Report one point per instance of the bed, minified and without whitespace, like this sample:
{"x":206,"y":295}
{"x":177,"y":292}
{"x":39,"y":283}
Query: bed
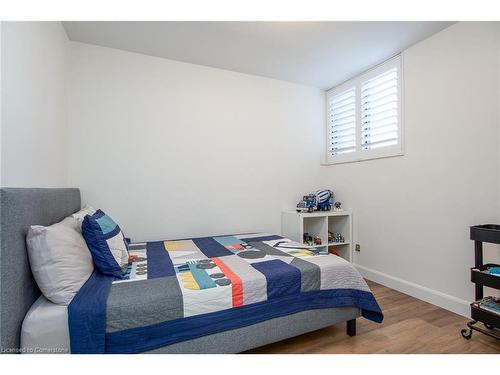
{"x":232,"y":327}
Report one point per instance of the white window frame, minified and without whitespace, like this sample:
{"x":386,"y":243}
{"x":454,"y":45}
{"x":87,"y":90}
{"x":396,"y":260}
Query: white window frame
{"x":356,"y":82}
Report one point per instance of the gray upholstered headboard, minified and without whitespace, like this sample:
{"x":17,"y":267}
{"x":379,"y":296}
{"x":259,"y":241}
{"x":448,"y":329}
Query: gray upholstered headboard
{"x":20,"y":208}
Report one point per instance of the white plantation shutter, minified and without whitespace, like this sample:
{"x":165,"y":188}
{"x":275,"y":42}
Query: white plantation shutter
{"x":364,"y":115}
{"x":342,"y":122}
{"x":379,"y":111}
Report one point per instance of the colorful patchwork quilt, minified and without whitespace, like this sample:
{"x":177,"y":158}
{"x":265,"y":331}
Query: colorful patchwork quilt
{"x":182,"y":289}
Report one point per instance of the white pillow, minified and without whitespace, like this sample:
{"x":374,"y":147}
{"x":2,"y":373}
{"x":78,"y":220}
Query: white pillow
{"x":60,"y":259}
{"x":80,"y":215}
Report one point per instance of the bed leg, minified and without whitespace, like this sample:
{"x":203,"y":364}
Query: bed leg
{"x":351,"y":327}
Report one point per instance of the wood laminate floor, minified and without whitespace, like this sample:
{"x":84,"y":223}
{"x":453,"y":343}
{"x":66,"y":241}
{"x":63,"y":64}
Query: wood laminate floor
{"x":410,"y":326}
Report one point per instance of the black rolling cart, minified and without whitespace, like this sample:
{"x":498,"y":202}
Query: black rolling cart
{"x":491,"y":321}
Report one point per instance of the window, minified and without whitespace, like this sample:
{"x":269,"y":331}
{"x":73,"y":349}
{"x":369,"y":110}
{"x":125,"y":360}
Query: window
{"x":342,"y":113}
{"x":364,"y":115}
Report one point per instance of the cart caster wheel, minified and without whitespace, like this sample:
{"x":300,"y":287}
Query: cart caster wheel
{"x":466,"y":333}
{"x":489,"y":326}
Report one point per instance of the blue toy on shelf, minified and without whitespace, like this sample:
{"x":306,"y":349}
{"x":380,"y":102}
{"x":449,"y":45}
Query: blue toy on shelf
{"x":322,"y":200}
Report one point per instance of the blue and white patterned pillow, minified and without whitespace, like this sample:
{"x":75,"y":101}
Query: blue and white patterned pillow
{"x":106,"y":243}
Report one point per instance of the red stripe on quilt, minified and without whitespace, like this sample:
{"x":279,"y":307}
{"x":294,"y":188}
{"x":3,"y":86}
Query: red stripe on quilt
{"x":237,"y":285}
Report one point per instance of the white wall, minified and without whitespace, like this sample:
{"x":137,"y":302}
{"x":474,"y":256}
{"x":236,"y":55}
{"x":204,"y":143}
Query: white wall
{"x":412,"y":213}
{"x":173,"y":149}
{"x":33,"y":119}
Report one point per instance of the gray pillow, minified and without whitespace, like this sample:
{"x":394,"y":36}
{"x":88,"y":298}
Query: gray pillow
{"x":60,"y":259}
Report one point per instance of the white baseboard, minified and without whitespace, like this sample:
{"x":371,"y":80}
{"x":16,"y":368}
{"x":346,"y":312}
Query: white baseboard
{"x":453,"y":304}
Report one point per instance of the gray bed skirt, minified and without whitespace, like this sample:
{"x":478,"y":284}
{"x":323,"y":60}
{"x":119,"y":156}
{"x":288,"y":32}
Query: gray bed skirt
{"x":260,"y":334}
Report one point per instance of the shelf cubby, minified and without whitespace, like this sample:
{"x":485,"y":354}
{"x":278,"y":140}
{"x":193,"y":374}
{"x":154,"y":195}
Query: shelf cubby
{"x":295,"y":224}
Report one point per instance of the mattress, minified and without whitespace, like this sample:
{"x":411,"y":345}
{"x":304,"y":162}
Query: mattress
{"x":45,"y":328}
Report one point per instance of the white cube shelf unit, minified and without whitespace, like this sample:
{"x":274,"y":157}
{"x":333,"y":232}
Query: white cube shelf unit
{"x":294,"y":224}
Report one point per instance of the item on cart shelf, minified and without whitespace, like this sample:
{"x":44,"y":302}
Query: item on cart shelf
{"x":338,"y":206}
{"x":494,"y":271}
{"x":330,"y":237}
{"x":490,"y":304}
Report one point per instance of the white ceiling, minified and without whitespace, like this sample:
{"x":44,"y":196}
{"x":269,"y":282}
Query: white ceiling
{"x":321,"y":54}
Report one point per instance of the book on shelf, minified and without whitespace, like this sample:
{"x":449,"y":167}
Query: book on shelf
{"x":491,"y":304}
{"x":494,"y":271}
